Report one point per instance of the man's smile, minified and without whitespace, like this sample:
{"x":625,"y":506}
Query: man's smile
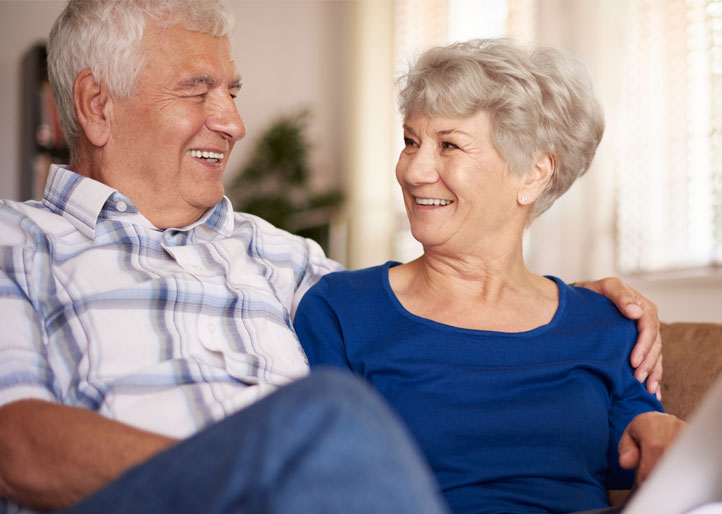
{"x":206,"y":155}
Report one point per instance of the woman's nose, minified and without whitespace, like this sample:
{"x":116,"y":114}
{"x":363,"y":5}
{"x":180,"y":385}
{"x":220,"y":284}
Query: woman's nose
{"x":419,"y":167}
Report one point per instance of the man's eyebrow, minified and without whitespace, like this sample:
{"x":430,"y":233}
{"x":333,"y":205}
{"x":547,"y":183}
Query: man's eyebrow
{"x":208,"y":81}
{"x":198,"y":80}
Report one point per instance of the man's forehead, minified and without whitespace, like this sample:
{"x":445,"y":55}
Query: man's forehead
{"x":179,"y":41}
{"x":190,"y":56}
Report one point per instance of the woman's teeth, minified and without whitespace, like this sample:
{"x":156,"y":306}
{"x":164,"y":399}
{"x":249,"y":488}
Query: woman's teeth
{"x":432,"y":201}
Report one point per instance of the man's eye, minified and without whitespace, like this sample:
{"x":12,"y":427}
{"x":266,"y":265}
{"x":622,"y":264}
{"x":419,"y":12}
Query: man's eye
{"x":449,"y":146}
{"x":409,"y":142}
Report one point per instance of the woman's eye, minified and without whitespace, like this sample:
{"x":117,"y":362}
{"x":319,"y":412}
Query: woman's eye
{"x":409,"y":142}
{"x":449,"y":146}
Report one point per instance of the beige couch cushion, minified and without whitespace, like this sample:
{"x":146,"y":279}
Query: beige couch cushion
{"x":692,"y":358}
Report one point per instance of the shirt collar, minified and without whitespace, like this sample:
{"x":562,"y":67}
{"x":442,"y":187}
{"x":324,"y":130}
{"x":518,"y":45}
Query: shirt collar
{"x":81,"y":200}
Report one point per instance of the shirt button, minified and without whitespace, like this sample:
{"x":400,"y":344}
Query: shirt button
{"x":121,"y":206}
{"x":211,"y":328}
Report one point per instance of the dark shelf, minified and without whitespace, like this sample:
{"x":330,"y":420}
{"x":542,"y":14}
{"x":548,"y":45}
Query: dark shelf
{"x":41,"y":140}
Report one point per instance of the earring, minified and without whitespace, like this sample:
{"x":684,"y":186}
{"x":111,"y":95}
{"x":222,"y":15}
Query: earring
{"x":522,"y":199}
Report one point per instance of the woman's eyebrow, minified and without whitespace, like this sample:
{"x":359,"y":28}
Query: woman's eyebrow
{"x":409,"y":130}
{"x":452,"y":131}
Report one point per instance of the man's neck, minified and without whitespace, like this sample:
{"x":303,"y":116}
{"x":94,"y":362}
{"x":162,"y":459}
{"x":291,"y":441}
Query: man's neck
{"x":161,"y":216}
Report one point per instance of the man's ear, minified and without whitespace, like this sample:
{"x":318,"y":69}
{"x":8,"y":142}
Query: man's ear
{"x":92,"y":104}
{"x":535,"y":182}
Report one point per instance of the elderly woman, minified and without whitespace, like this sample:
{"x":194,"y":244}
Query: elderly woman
{"x":516,"y":386}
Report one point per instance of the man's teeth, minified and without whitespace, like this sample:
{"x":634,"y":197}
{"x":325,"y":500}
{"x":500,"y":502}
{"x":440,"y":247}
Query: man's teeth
{"x":432,"y":201}
{"x":209,"y":156}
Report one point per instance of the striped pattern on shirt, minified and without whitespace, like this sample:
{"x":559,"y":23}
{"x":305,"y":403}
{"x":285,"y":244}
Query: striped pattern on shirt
{"x":167,"y":330}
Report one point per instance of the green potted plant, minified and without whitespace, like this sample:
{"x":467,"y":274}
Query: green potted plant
{"x":274,"y":182}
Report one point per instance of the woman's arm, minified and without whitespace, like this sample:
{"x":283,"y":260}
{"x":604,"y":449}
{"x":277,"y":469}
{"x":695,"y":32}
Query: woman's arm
{"x":319,"y":330}
{"x":646,"y":439}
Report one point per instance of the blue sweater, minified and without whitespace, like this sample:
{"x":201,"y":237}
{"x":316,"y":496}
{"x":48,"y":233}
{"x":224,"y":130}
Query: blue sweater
{"x":509,"y":422}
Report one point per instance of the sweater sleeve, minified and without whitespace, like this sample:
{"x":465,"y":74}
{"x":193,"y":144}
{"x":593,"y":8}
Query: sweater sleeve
{"x":629,"y":399}
{"x":318,"y":328}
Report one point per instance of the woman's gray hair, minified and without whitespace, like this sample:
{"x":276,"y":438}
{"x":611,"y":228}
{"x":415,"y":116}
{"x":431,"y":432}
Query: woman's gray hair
{"x":104,"y":36}
{"x":538,"y":100}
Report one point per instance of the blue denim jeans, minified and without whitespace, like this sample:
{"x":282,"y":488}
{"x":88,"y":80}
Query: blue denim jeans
{"x":324,"y":444}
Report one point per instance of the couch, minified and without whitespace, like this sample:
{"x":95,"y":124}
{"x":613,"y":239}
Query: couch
{"x":692,"y":358}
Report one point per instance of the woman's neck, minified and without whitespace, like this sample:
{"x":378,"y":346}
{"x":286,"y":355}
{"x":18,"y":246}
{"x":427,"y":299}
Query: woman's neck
{"x":495,"y":292}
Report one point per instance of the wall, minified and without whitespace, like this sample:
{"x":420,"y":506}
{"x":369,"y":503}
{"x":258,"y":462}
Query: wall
{"x":22,"y":24}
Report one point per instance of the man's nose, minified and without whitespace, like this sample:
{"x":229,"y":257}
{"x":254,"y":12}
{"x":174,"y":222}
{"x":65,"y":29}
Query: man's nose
{"x":226,"y":120}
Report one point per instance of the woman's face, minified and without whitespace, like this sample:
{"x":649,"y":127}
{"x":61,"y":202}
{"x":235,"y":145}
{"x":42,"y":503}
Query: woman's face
{"x":458,"y":192}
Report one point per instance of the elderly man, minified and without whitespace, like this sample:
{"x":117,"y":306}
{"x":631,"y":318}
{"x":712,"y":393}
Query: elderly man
{"x":144,"y":321}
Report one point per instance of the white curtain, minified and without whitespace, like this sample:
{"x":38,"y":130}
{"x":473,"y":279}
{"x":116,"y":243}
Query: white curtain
{"x":669,"y":144}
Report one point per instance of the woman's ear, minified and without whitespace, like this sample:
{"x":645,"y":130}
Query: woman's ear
{"x":92,"y":104}
{"x":535,"y":182}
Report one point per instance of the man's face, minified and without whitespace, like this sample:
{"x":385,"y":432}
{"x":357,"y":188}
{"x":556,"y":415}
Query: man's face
{"x":171,"y":140}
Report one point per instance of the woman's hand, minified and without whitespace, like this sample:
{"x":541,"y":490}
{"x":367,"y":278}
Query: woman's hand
{"x":647,"y":353}
{"x":645,"y":440}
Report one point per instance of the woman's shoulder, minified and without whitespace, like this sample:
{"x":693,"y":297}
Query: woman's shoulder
{"x":591,"y":321}
{"x":360,"y":279}
{"x":355,"y":296}
{"x":585,"y":304}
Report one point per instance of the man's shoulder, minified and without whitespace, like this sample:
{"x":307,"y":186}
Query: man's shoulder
{"x":253,"y":228}
{"x":22,"y":220}
{"x":267,"y":242}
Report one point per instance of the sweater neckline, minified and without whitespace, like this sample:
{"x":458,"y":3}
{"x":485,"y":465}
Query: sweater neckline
{"x":398,"y":306}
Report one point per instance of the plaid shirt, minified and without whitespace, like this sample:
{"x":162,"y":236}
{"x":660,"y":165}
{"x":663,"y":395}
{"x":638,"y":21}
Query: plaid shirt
{"x":167,"y":330}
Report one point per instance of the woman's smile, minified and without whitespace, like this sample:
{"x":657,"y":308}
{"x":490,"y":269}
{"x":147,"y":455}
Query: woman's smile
{"x":432,"y":202}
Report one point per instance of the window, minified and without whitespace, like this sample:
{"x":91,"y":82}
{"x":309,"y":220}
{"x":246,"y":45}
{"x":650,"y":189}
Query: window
{"x":669,"y":140}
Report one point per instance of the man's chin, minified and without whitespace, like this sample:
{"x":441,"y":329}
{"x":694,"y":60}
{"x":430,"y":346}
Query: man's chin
{"x":205,"y":196}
